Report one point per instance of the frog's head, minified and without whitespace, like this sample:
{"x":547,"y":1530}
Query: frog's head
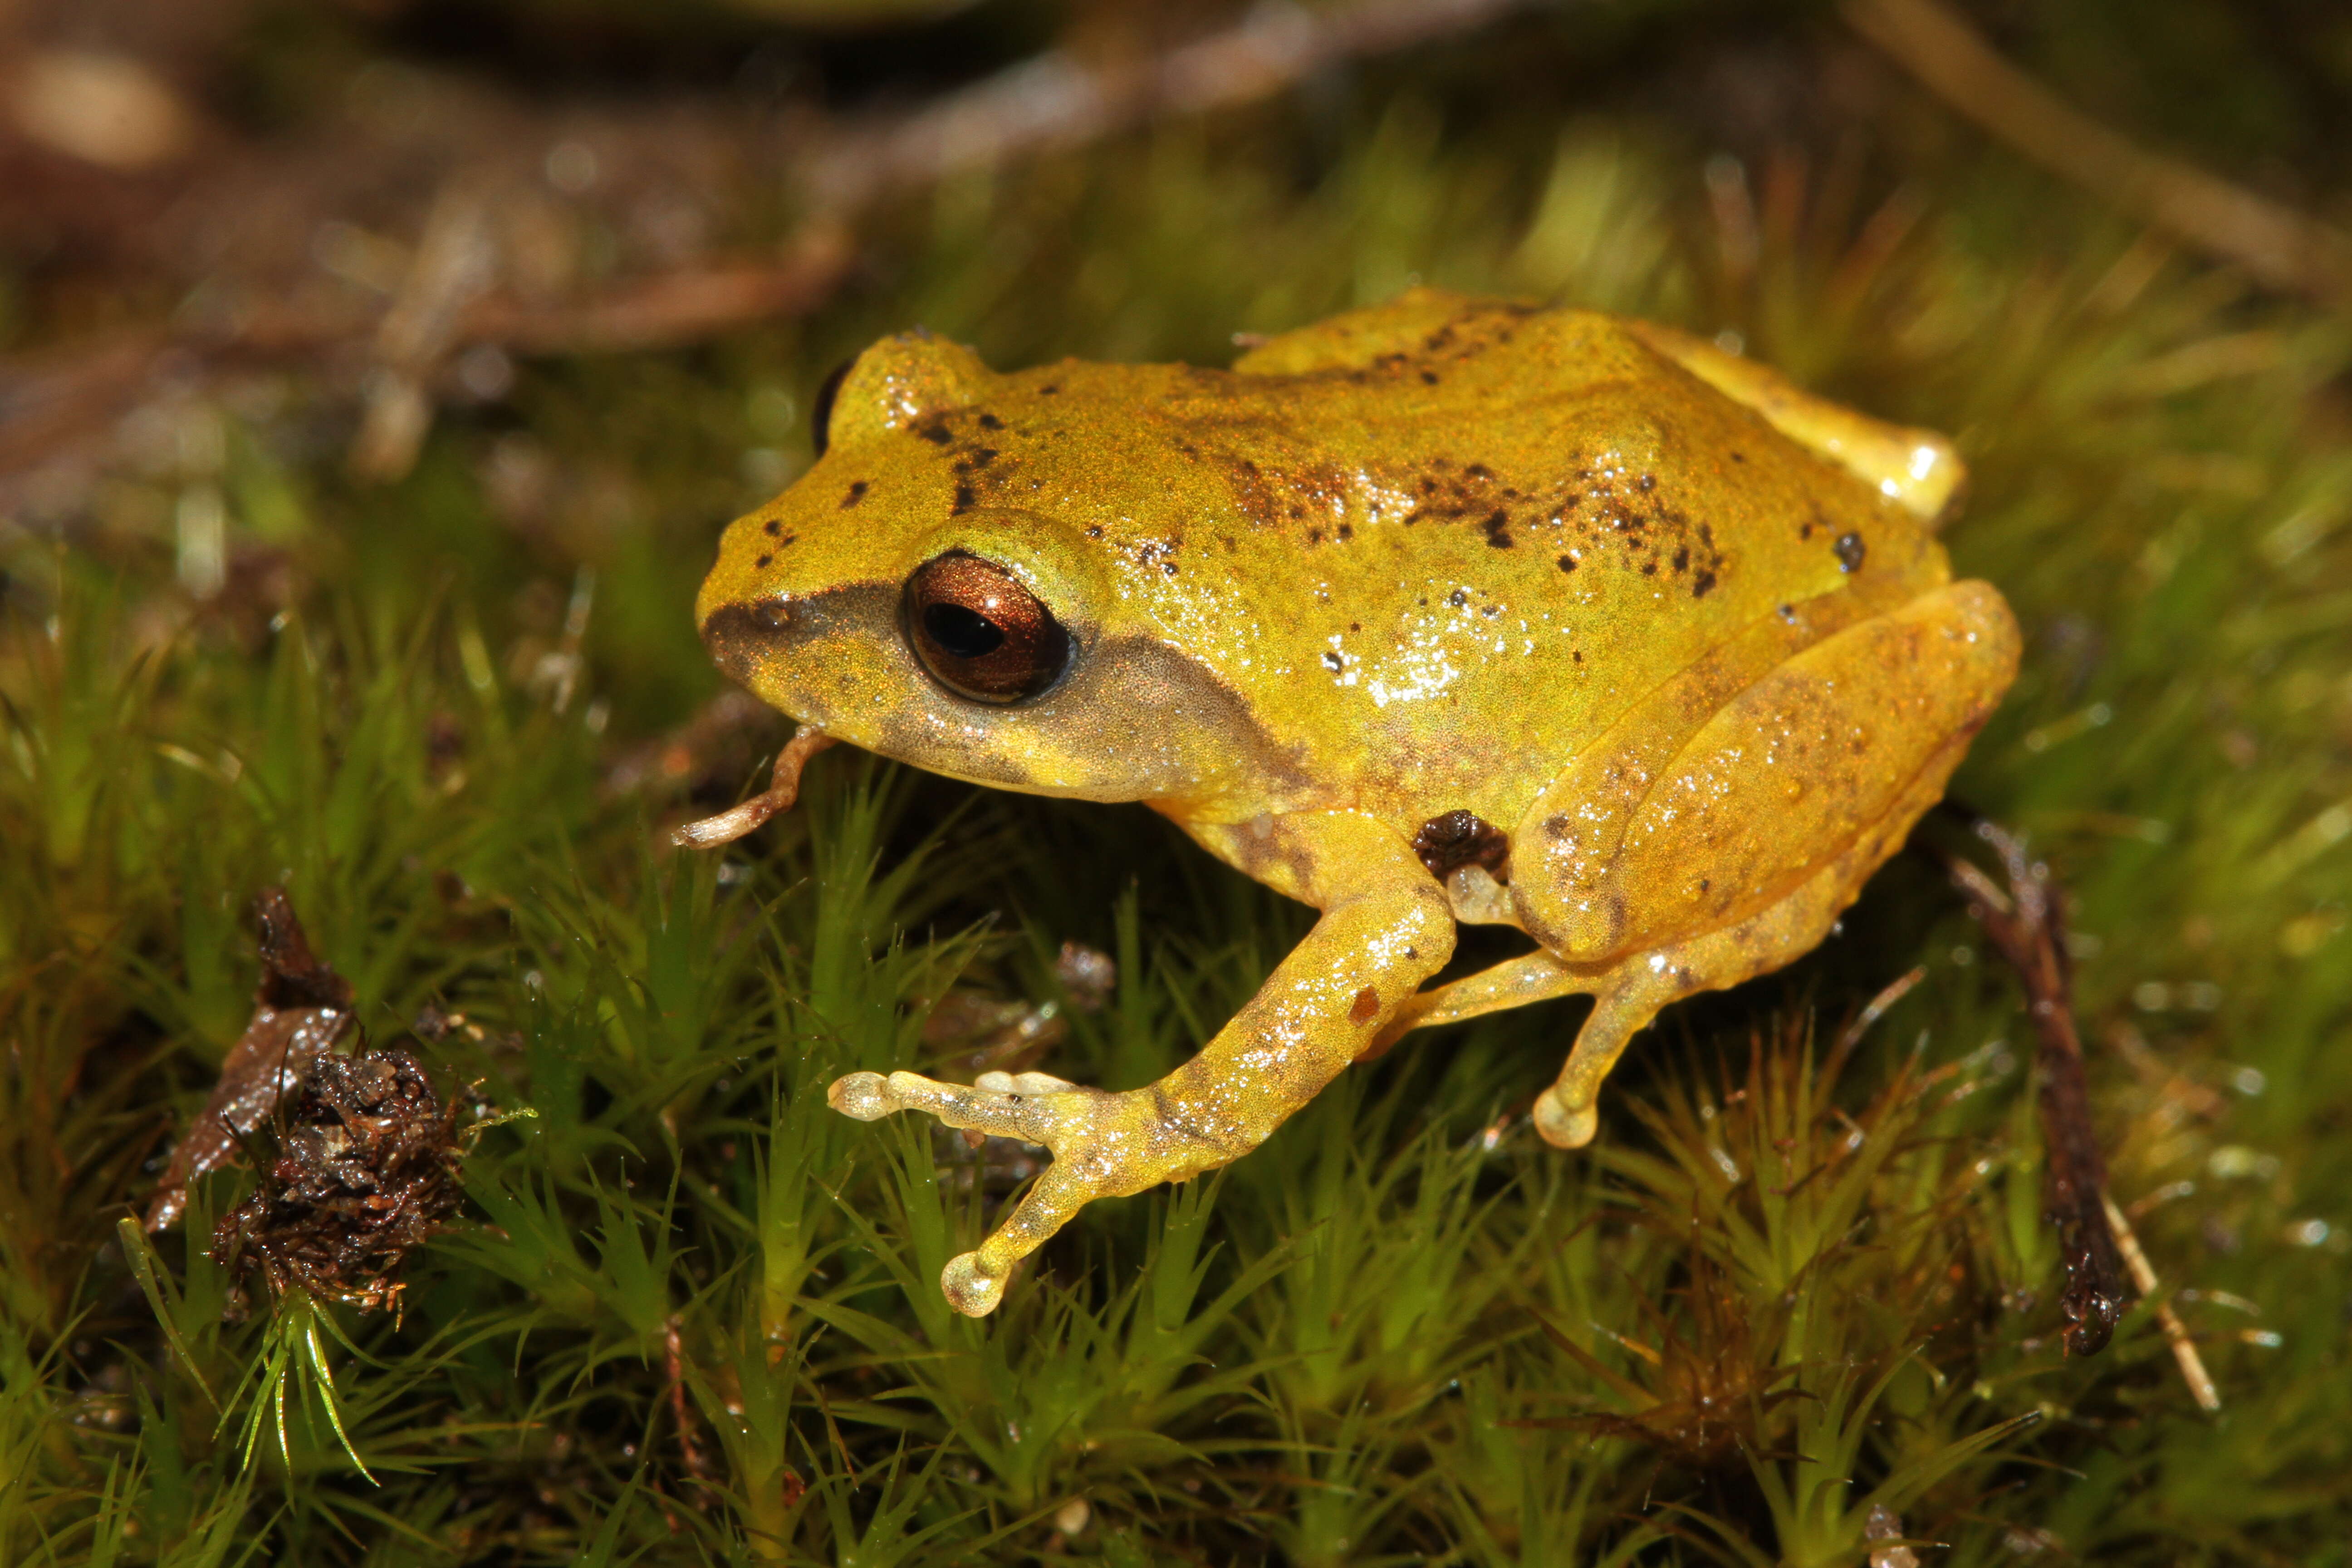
{"x":903,"y":596}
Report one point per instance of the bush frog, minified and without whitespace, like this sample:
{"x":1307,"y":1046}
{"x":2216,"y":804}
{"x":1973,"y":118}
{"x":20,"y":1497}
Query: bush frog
{"x":1445,"y":610}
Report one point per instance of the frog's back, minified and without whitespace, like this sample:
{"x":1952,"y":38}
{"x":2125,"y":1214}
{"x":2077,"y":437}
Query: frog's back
{"x":1470,"y":534}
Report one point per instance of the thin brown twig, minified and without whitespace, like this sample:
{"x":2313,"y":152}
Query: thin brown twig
{"x":2027,"y":923}
{"x":456,"y":262}
{"x":2280,"y":247}
{"x":43,"y":406}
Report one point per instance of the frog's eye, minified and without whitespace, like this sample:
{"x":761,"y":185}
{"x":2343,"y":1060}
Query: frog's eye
{"x":980,"y":632}
{"x":821,"y":411}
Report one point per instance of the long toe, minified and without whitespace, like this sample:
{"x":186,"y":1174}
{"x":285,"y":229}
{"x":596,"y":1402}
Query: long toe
{"x":863,"y":1095}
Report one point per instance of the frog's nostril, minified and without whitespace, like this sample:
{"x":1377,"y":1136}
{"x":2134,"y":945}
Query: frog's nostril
{"x":737,"y":634}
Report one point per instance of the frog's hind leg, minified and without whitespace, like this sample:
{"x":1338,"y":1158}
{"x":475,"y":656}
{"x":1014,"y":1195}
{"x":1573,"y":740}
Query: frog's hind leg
{"x":1630,"y":993}
{"x":1747,"y":844}
{"x":1535,"y":977}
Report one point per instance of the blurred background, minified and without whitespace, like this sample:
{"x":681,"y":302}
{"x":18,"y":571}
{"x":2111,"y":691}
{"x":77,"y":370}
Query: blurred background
{"x":375,"y":376}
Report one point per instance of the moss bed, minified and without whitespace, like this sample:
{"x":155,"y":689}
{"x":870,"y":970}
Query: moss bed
{"x":688,"y":1314}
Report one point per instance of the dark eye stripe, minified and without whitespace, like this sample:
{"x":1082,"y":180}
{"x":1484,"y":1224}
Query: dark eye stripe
{"x":980,"y":631}
{"x":821,"y":411}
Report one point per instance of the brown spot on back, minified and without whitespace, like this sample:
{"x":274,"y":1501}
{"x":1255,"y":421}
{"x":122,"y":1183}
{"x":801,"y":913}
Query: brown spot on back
{"x":1462,"y":838}
{"x":1850,"y":552}
{"x":1367,"y":1007}
{"x":856,"y":493}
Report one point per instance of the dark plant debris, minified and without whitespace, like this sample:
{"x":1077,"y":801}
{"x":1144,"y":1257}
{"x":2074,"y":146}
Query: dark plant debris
{"x":356,"y":1156}
{"x":365,"y":1170}
{"x":301,"y":1012}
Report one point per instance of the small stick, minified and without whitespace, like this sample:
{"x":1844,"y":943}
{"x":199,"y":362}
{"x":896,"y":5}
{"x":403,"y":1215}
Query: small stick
{"x":783,"y":789}
{"x":2184,"y":1349}
{"x":2024,"y":923}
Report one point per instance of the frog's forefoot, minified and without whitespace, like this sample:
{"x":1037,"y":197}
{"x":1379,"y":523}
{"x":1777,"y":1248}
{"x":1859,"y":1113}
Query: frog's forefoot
{"x":783,"y":789}
{"x":1104,"y":1144}
{"x":864,"y":1096}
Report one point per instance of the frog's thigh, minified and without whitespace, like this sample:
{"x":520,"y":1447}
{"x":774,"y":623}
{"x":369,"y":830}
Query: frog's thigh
{"x":1775,"y":785}
{"x":1917,"y":470}
{"x":1769,"y":820}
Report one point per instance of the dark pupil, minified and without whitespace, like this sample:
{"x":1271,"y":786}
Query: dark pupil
{"x":961,"y":633}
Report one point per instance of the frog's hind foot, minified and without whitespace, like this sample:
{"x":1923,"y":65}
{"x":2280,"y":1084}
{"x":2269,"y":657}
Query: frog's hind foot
{"x":1566,"y":1113}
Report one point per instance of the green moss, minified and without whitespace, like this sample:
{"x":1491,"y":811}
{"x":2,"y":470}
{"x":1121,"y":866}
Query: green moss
{"x":1768,"y":1300}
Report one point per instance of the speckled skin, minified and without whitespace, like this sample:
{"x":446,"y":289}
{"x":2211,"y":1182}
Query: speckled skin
{"x":1676,"y":636}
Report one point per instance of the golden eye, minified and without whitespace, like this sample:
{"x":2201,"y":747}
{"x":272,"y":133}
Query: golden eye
{"x":980,"y":633}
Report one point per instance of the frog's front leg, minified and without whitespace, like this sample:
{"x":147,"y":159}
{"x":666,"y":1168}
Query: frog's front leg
{"x":1385,"y":928}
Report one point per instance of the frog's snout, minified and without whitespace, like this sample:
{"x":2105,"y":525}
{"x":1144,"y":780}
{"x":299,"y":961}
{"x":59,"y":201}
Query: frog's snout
{"x":737,"y":634}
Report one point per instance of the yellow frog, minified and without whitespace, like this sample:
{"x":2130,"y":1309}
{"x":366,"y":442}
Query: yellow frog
{"x":1446,"y":610}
